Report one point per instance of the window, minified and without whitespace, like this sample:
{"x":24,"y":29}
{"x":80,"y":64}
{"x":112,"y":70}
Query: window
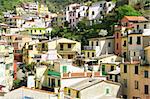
{"x":69,"y":92}
{"x":101,"y":5}
{"x":101,"y":12}
{"x":107,"y":91}
{"x":137,"y":27}
{"x":69,"y":45}
{"x":70,"y":56}
{"x":125,"y":83}
{"x":97,"y":43}
{"x":49,"y":82}
{"x":145,"y":74}
{"x":93,"y":54}
{"x":138,"y":40}
{"x":70,"y":20}
{"x":134,"y":53}
{"x":124,"y":44}
{"x":92,"y":12}
{"x":136,"y":70}
{"x":146,"y":89}
{"x":109,"y":5}
{"x":112,"y":68}
{"x":130,"y":40}
{"x":109,"y":44}
{"x":34,"y":30}
{"x":125,"y":68}
{"x":59,"y":82}
{"x":110,"y":76}
{"x":145,"y":26}
{"x":78,"y":94}
{"x":40,"y":31}
{"x":88,"y":54}
{"x":30,"y":47}
{"x":136,"y":83}
{"x":61,"y":46}
{"x":64,"y":69}
{"x":125,"y":55}
{"x":53,"y":82}
{"x":31,"y":31}
{"x":91,"y":43}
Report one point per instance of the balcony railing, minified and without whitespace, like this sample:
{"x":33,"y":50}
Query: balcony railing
{"x":90,"y":47}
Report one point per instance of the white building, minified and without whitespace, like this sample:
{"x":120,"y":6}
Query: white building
{"x":27,"y":93}
{"x":6,"y":66}
{"x":97,"y":10}
{"x":93,"y":89}
{"x":99,"y":46}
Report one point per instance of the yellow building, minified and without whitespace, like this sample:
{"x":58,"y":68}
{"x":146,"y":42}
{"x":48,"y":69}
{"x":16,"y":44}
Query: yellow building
{"x":124,"y":47}
{"x":135,"y":78}
{"x":43,"y":9}
{"x":61,"y":47}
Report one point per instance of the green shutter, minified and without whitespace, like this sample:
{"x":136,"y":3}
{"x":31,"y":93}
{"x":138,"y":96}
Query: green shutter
{"x":103,"y":70}
{"x":64,"y":69}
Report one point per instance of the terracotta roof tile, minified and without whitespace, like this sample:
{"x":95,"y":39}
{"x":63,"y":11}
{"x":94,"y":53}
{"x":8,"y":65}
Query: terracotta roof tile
{"x":136,"y":18}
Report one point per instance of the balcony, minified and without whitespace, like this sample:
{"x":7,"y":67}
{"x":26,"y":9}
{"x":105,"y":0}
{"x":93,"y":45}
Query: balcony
{"x":90,"y":47}
{"x":53,"y":73}
{"x":135,"y":31}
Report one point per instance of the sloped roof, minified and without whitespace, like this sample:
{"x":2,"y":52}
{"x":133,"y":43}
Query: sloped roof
{"x":135,"y":18}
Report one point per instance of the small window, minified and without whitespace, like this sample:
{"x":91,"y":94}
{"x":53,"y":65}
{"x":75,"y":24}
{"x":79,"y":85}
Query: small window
{"x":107,"y":91}
{"x":88,"y":54}
{"x":69,"y":45}
{"x":101,"y":12}
{"x":145,"y":26}
{"x":112,"y":68}
{"x":125,"y":83}
{"x":124,"y":44}
{"x":125,"y":55}
{"x":41,"y":31}
{"x":146,"y":89}
{"x":101,"y":5}
{"x":92,"y":43}
{"x":31,"y":31}
{"x":61,"y":46}
{"x":109,"y":44}
{"x":109,"y":5}
{"x":125,"y":68}
{"x":136,"y":70}
{"x":97,"y":43}
{"x":138,"y":40}
{"x":69,"y":92}
{"x":93,"y":54}
{"x":93,"y":13}
{"x":145,"y":74}
{"x":34,"y":30}
{"x":137,"y":27}
{"x":70,"y":56}
{"x":130,"y":40}
{"x":30,"y":47}
{"x":78,"y":94}
{"x":136,"y":83}
{"x":134,"y":53}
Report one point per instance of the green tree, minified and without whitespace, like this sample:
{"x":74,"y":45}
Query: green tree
{"x":126,"y":10}
{"x":16,"y":83}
